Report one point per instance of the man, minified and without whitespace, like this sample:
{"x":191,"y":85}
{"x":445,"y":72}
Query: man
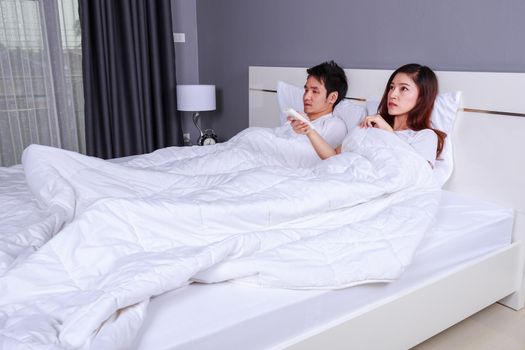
{"x":325,"y":87}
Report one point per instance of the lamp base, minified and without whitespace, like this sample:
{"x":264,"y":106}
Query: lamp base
{"x":195,"y":119}
{"x":208,"y":137}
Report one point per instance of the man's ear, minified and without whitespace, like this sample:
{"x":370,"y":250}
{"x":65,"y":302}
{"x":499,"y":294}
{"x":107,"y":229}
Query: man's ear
{"x":332,"y":97}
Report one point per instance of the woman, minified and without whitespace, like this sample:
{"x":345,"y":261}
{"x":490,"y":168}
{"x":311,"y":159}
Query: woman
{"x":405,"y":109}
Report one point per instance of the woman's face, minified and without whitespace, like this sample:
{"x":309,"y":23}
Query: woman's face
{"x":402,"y":95}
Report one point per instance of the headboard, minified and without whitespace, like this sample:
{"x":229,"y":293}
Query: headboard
{"x":488,"y":136}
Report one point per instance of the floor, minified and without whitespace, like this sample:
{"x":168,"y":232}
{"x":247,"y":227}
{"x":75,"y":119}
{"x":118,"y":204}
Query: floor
{"x":494,"y":328}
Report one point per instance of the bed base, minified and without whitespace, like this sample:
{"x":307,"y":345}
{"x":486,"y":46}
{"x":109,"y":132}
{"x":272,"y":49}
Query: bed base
{"x":487,"y":165}
{"x":409,"y":318}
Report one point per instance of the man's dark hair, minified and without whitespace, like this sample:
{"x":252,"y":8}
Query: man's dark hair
{"x":332,"y":76}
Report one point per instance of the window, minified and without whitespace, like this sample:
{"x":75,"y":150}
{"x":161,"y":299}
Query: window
{"x":41,"y":94}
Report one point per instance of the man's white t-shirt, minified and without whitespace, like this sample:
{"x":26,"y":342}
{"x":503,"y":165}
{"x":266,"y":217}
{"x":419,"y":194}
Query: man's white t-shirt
{"x":331,"y":128}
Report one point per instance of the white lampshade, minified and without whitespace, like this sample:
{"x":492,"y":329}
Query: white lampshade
{"x":196,"y":98}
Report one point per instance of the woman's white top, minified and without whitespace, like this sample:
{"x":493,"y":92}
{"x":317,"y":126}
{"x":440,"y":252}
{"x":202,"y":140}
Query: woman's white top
{"x":424,"y":142}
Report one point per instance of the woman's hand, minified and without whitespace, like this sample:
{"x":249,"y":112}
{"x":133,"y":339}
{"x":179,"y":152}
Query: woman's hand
{"x":299,"y":126}
{"x":375,"y":121}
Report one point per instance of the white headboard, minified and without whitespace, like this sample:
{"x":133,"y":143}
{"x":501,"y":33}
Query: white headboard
{"x":488,"y":134}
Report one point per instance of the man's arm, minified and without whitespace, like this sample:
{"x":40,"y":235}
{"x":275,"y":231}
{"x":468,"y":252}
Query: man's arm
{"x":321,"y":147}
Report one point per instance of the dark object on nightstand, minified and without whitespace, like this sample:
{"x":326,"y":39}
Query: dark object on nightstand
{"x":207,"y":138}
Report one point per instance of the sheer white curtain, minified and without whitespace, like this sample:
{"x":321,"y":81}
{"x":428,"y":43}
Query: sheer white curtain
{"x":41,"y":97}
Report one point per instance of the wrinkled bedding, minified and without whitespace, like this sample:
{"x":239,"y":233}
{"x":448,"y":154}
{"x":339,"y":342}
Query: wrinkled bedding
{"x":259,"y":209}
{"x":24,"y":225}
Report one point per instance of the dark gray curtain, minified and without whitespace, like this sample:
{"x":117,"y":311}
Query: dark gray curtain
{"x":129,"y":77}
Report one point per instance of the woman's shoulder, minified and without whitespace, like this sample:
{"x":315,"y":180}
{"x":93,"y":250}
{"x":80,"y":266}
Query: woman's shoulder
{"x":428,"y":131}
{"x":425,"y":133}
{"x":426,"y":136}
{"x":418,"y":136}
{"x":419,"y":133}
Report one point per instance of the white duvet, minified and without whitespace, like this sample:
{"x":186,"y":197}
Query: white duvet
{"x":260,"y":208}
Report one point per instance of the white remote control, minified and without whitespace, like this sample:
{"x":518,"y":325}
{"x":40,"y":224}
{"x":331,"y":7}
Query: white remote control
{"x":296,"y":115}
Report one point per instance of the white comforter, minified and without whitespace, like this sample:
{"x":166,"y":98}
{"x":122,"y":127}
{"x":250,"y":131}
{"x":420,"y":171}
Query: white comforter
{"x":260,"y":209}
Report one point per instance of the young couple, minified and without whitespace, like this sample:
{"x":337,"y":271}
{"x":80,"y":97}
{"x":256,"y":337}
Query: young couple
{"x":405,"y":109}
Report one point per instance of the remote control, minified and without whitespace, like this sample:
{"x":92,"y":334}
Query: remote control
{"x":296,"y":115}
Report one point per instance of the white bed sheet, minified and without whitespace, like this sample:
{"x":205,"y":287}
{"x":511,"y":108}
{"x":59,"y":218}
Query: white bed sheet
{"x":235,"y":316}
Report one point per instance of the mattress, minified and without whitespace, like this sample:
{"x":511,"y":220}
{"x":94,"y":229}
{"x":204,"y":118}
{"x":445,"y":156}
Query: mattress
{"x":232,"y":315}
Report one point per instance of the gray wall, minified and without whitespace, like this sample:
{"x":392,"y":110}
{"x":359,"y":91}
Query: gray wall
{"x":184,"y":16}
{"x":482,"y":35}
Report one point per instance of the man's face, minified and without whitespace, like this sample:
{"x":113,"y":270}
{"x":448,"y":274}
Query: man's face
{"x":315,"y":101}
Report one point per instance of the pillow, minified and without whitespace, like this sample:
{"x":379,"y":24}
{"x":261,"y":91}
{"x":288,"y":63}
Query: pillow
{"x":350,"y":112}
{"x":289,"y":95}
{"x":443,"y":115}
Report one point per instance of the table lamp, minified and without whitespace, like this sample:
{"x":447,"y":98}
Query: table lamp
{"x":198,"y":98}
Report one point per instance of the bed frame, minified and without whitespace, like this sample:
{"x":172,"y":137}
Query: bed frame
{"x":488,"y":165}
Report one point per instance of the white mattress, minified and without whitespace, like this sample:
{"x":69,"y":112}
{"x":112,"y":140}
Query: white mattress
{"x":234,"y":316}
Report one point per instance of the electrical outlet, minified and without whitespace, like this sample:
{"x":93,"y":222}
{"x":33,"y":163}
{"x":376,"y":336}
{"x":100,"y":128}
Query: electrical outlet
{"x":179,"y":37}
{"x":186,"y":138}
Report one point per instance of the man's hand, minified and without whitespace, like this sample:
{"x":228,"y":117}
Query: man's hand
{"x":299,"y":126}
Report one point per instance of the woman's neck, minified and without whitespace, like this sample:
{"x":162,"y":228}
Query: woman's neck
{"x":400,"y":122}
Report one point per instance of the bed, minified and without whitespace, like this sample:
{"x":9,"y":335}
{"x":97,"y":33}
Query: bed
{"x":470,"y":259}
{"x":486,"y":166}
{"x":230,"y":315}
{"x":445,"y":284}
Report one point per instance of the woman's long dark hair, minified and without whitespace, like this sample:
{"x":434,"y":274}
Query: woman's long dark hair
{"x":419,"y":117}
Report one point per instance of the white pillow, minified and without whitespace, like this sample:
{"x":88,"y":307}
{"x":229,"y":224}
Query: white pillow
{"x":443,"y":116}
{"x":350,"y":112}
{"x":289,"y":95}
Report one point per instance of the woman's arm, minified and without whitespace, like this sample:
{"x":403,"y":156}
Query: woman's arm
{"x":321,"y":147}
{"x":375,"y":121}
